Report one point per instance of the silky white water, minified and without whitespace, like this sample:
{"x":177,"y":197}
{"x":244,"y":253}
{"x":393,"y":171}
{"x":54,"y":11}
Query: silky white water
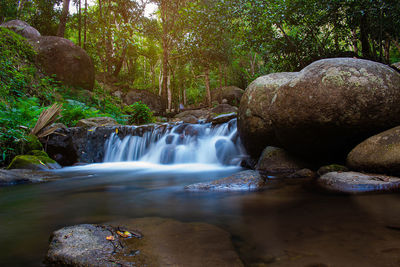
{"x":180,"y":144}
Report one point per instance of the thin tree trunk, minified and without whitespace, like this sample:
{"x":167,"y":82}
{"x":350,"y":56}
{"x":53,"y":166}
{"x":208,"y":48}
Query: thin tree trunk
{"x":79,"y":23}
{"x":387,"y":51}
{"x":207,"y":83}
{"x":354,"y":41}
{"x":164,"y":16}
{"x":169,"y":92}
{"x":63,"y":18}
{"x":365,"y":46}
{"x":160,"y":82}
{"x":85,"y":26}
{"x":118,"y":67}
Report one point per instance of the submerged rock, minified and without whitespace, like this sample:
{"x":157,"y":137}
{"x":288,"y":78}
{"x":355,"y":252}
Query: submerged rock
{"x":158,"y":242}
{"x":355,"y":182}
{"x":33,"y":163}
{"x":243,"y":181}
{"x":21,"y":176}
{"x":276,"y":160}
{"x":378,"y":154}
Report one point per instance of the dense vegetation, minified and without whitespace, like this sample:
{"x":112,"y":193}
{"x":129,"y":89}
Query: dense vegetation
{"x":183,"y":52}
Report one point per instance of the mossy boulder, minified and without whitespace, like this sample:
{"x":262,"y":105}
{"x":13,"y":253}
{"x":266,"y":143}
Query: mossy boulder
{"x":22,"y":28}
{"x":334,"y":104}
{"x":378,"y":154}
{"x":33,"y":163}
{"x":254,"y":118}
{"x":32,"y":143}
{"x":38,"y":153}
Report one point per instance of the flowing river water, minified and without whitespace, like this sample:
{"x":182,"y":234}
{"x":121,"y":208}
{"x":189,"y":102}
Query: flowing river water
{"x":287,"y":224}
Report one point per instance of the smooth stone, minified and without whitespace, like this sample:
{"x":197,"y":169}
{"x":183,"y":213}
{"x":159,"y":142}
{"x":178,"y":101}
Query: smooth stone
{"x":222,"y":118}
{"x":332,"y":168}
{"x":243,"y":181}
{"x":159,"y":242}
{"x":22,"y":176}
{"x":356,"y":183}
{"x":97,"y":122}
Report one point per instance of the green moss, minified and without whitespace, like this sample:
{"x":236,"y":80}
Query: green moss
{"x":32,"y":143}
{"x":31,"y":162}
{"x":38,"y":153}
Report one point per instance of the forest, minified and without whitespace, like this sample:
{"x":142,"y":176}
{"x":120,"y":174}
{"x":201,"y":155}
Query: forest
{"x":183,"y":51}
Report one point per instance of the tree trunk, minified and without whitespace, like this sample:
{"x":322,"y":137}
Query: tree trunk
{"x":120,"y":62}
{"x":354,"y":41}
{"x":387,"y":51}
{"x":207,"y":83}
{"x":79,"y":23}
{"x":85,"y":26}
{"x":63,"y":18}
{"x":165,"y":47}
{"x":365,"y":46}
{"x":169,"y":92}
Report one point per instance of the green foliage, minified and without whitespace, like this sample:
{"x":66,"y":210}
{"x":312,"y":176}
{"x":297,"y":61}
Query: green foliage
{"x":139,"y":113}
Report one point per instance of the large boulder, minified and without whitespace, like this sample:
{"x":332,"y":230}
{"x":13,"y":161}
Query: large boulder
{"x":151,"y":100}
{"x":22,"y":28}
{"x":334,"y":104}
{"x":70,"y":63}
{"x":152,"y":242}
{"x":378,"y":154}
{"x":232,"y":94}
{"x":254,"y":119}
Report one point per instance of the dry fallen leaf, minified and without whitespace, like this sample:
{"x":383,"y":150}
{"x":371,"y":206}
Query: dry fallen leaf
{"x":125,"y":234}
{"x":110,"y":238}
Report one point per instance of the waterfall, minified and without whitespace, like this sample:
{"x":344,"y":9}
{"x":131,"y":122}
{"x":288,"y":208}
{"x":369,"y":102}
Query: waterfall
{"x":178,"y":144}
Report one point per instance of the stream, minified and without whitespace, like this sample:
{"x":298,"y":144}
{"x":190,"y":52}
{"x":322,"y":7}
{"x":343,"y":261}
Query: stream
{"x":287,"y":224}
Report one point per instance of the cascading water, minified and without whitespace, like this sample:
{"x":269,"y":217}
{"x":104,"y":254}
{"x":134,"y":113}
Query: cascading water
{"x":179,"y":144}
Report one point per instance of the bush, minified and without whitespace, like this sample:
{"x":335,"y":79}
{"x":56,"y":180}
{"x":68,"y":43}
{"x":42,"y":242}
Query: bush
{"x":139,"y":113}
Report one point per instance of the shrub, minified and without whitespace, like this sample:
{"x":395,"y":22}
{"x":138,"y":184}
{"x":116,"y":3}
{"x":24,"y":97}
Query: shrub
{"x":139,"y":113}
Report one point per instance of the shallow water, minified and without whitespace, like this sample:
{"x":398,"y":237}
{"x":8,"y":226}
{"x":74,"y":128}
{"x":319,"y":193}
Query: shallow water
{"x":285,"y":225}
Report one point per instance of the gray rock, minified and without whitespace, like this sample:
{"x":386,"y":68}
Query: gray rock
{"x":332,"y":168}
{"x":242,"y":181}
{"x":254,"y":118}
{"x":161,"y":242}
{"x":378,"y":154}
{"x":334,"y":104}
{"x":22,"y":176}
{"x":22,"y":28}
{"x":153,"y":101}
{"x":396,"y":66}
{"x":224,"y":108}
{"x":303,"y":173}
{"x":222,"y":118}
{"x":70,"y":63}
{"x":97,"y":122}
{"x":355,"y":183}
{"x":276,"y":160}
{"x":231,"y":95}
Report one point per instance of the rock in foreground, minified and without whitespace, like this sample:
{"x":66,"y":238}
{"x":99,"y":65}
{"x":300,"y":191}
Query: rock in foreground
{"x":378,"y":154}
{"x":18,"y":176}
{"x":242,"y":181}
{"x":158,"y":242}
{"x":355,"y":182}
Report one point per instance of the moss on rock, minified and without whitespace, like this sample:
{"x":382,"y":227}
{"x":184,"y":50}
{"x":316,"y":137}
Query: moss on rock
{"x":38,"y":153}
{"x":32,"y":143}
{"x":33,"y":163}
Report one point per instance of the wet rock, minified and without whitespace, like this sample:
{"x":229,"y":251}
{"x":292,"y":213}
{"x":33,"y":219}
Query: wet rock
{"x":33,"y":163}
{"x":231,"y":95}
{"x":22,"y":176}
{"x":22,"y":28}
{"x":243,"y":181}
{"x":97,"y":122}
{"x":334,"y":104}
{"x":355,"y":182}
{"x":254,"y":118}
{"x":303,"y":173}
{"x":153,"y":101}
{"x":332,"y":168}
{"x":378,"y":154}
{"x":163,"y":242}
{"x":70,"y":63}
{"x":276,"y":160}
{"x":222,"y":118}
{"x":224,"y":108}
